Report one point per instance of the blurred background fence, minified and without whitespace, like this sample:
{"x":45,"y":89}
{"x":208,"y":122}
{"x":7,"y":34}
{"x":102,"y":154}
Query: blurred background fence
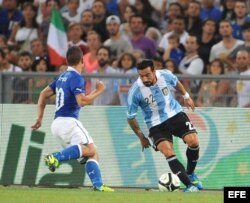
{"x":206,"y":90}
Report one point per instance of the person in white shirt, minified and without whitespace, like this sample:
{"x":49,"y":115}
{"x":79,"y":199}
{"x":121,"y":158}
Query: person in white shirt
{"x":243,"y":86}
{"x":192,"y":63}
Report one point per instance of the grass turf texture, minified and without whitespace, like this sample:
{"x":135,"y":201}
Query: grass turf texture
{"x":13,"y":194}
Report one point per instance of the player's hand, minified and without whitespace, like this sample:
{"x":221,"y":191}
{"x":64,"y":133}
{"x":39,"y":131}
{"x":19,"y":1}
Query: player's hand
{"x":145,"y":143}
{"x":189,"y":103}
{"x":100,"y":86}
{"x":37,"y":124}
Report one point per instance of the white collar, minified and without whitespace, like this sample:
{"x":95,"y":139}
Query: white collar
{"x":72,"y":69}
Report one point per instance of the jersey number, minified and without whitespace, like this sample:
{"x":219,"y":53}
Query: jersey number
{"x":150,"y":99}
{"x":190,"y":125}
{"x":59,"y":98}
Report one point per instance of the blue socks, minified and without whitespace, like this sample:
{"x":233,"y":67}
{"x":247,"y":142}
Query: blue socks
{"x":94,"y":173}
{"x":72,"y":152}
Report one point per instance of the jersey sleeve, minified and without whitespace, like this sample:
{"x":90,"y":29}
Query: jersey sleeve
{"x":77,"y":85}
{"x":53,"y":86}
{"x":133,"y":104}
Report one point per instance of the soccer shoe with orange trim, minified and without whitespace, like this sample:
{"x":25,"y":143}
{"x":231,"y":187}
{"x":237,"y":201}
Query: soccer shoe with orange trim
{"x":52,"y":162}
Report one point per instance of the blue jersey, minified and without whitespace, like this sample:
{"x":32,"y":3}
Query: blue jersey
{"x":67,"y":86}
{"x":156,"y":102}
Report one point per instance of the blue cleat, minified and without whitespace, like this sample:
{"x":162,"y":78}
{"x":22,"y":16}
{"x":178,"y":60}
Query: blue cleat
{"x":191,"y":188}
{"x":195,"y":181}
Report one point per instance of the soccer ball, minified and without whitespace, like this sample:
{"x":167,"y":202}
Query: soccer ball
{"x":169,"y":182}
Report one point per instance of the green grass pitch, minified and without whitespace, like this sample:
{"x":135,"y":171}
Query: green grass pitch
{"x":19,"y":194}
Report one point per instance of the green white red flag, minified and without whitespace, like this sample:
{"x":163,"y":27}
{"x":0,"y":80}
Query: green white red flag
{"x":57,"y":39}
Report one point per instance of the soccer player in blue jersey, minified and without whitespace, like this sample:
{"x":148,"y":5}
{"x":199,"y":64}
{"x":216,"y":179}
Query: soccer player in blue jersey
{"x":165,"y":118}
{"x":70,"y":97}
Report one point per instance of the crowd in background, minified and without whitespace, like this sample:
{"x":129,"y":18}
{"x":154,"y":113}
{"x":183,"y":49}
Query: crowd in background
{"x":183,"y":36}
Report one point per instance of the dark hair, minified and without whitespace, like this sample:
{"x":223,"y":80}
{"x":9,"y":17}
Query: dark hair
{"x":34,"y":8}
{"x":221,"y":64}
{"x":106,"y":48}
{"x":37,"y":60}
{"x":119,"y":63}
{"x":74,"y":55}
{"x":245,"y":26}
{"x":145,"y":63}
{"x":137,"y":16}
{"x":2,"y":54}
{"x":25,"y":53}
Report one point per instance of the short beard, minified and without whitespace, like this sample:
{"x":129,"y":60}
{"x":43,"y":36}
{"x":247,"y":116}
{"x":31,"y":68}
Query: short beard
{"x":148,"y":84}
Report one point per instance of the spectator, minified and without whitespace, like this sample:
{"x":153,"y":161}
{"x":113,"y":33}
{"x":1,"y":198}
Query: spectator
{"x":22,"y":83}
{"x":170,"y":65}
{"x":178,"y":26}
{"x":241,"y":16}
{"x":243,"y":86}
{"x":138,"y":38}
{"x":74,"y":35}
{"x":126,"y":65}
{"x":85,"y":5}
{"x":147,"y":11}
{"x":154,"y":34}
{"x":87,"y":22}
{"x":228,"y":43}
{"x":206,"y":40}
{"x":173,"y":51}
{"x":214,"y":92}
{"x":90,"y":59}
{"x":110,"y":96}
{"x":227,"y":9}
{"x":209,"y":10}
{"x":158,"y":62}
{"x":10,"y":83}
{"x":100,"y":14}
{"x":192,"y":20}
{"x":9,"y":14}
{"x":26,"y":30}
{"x":40,"y":65}
{"x":174,"y":10}
{"x":38,"y":50}
{"x":72,"y":15}
{"x":192,"y":64}
{"x":117,"y":44}
{"x":44,"y":26}
{"x":245,"y":46}
{"x":125,"y":28}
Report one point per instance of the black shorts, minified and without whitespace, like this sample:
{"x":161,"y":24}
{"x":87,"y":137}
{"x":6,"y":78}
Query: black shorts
{"x":179,"y":126}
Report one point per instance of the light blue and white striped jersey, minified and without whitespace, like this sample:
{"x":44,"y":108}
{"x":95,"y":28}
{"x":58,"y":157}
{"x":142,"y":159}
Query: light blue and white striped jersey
{"x":157,"y":102}
{"x":67,"y":86}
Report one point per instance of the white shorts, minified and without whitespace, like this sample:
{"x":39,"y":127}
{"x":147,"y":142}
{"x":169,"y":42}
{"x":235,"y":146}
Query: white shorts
{"x":70,"y":131}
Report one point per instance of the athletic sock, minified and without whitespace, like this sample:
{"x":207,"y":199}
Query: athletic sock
{"x":94,"y":173}
{"x":72,"y":152}
{"x":178,"y":169}
{"x":192,"y":157}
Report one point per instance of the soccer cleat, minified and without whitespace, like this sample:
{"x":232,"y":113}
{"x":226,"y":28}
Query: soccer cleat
{"x":104,"y":188}
{"x":191,"y":188}
{"x":52,"y":162}
{"x":195,"y":181}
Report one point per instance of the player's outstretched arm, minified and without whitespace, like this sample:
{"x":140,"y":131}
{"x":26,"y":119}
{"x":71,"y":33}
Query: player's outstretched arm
{"x":188,"y":101}
{"x":83,"y":99}
{"x":136,"y":128}
{"x":45,"y":94}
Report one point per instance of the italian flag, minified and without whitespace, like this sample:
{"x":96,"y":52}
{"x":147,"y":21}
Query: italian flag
{"x":57,"y":39}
